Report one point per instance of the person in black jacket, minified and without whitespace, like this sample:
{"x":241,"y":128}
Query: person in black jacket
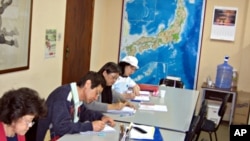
{"x":67,"y":114}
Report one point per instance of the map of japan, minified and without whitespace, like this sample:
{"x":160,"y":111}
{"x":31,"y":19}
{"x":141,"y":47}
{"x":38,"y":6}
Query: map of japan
{"x":165,"y":37}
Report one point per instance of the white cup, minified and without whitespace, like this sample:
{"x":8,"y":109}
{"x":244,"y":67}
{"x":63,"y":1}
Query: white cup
{"x":210,"y":83}
{"x":162,"y":93}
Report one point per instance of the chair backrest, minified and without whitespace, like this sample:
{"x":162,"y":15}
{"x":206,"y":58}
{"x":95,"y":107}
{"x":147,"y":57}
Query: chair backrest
{"x":171,"y":83}
{"x":222,"y":109}
{"x":202,"y":113}
{"x":223,"y":105}
{"x":191,"y":134}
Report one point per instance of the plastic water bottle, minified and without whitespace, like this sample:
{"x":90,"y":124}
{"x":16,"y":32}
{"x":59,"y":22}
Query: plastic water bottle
{"x":224,"y":75}
{"x":234,"y":79}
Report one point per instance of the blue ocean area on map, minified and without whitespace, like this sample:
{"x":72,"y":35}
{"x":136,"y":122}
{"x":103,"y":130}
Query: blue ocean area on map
{"x":174,"y":58}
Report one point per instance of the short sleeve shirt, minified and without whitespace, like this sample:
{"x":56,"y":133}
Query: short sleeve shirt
{"x":123,"y":84}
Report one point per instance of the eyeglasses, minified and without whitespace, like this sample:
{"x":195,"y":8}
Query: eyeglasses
{"x":28,"y":123}
{"x":113,"y":76}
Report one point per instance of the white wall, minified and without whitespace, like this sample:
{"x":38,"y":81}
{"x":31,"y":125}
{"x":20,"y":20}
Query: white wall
{"x":106,"y":32}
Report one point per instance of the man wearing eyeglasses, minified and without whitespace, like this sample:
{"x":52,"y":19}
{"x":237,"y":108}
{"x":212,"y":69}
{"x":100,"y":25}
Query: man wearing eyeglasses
{"x":67,"y":113}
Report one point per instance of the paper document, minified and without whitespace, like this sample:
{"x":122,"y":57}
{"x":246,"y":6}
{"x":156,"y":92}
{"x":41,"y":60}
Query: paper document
{"x":134,"y":134}
{"x":123,"y":110}
{"x":141,"y":98}
{"x":145,"y":93}
{"x":105,"y":130}
{"x":162,"y":108}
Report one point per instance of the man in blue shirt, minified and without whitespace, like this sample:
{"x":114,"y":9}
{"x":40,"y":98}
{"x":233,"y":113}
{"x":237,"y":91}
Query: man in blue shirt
{"x":67,"y":114}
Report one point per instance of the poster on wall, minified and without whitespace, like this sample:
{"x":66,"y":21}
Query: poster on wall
{"x":224,"y":23}
{"x":165,"y":37}
{"x":15,"y":29}
{"x":50,"y":43}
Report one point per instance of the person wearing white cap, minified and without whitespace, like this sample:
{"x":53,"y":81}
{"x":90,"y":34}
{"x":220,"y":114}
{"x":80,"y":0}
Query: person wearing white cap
{"x":125,"y":85}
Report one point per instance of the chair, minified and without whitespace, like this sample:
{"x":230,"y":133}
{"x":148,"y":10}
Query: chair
{"x":171,"y":83}
{"x":196,"y":123}
{"x":202,"y":114}
{"x":210,"y":126}
{"x":191,"y":134}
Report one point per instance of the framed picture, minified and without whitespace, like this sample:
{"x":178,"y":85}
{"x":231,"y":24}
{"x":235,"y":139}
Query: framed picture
{"x":15,"y":29}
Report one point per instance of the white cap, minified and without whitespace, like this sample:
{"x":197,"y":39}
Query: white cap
{"x":131,"y":60}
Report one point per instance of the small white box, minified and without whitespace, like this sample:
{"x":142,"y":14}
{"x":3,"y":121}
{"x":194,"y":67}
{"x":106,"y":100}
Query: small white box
{"x":213,"y":109}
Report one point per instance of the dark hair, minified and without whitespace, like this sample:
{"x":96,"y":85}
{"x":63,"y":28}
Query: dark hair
{"x":110,"y":67}
{"x":15,"y":104}
{"x":122,"y":65}
{"x":95,"y":78}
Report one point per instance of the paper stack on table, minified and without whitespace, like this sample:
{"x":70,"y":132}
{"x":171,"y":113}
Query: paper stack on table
{"x":144,"y":96}
{"x":123,"y":110}
{"x":141,"y":98}
{"x":152,"y":107}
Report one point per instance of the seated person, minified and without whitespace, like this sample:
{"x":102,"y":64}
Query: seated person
{"x":125,"y":85}
{"x":109,"y":100}
{"x":19,"y":108}
{"x":67,"y":114}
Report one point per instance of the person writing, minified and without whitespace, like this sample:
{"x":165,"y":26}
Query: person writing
{"x":66,"y":112}
{"x":109,"y":100}
{"x":125,"y":85}
{"x":19,"y":107}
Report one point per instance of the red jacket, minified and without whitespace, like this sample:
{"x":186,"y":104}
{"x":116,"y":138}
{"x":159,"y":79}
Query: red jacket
{"x":3,"y":136}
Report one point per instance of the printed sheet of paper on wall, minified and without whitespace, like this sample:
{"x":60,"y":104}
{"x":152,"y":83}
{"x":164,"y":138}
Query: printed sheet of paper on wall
{"x":224,"y":23}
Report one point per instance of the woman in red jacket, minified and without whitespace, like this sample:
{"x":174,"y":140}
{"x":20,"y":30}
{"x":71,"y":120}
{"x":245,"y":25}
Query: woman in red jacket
{"x":18,"y":110}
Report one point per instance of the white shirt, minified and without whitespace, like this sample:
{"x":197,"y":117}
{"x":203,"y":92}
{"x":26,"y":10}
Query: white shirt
{"x":123,"y":84}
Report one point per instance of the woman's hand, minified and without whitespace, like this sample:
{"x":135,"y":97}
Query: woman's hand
{"x":131,"y":105}
{"x":116,"y":106}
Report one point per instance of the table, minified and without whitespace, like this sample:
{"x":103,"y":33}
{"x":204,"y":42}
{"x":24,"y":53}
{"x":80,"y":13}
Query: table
{"x":114,"y":136}
{"x":217,"y":94}
{"x":173,"y":124}
{"x":180,"y":103}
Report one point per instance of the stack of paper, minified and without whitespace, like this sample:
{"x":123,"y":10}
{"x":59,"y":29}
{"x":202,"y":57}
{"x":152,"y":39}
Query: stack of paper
{"x":144,"y":96}
{"x":105,"y":130}
{"x":141,"y":98}
{"x":123,"y":110}
{"x":134,"y":134}
{"x":152,"y":107}
{"x":147,"y":93}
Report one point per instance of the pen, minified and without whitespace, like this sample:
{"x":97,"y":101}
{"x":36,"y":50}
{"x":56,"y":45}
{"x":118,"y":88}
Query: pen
{"x":140,"y":130}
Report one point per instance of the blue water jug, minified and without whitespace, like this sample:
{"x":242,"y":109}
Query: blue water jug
{"x":224,"y":75}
